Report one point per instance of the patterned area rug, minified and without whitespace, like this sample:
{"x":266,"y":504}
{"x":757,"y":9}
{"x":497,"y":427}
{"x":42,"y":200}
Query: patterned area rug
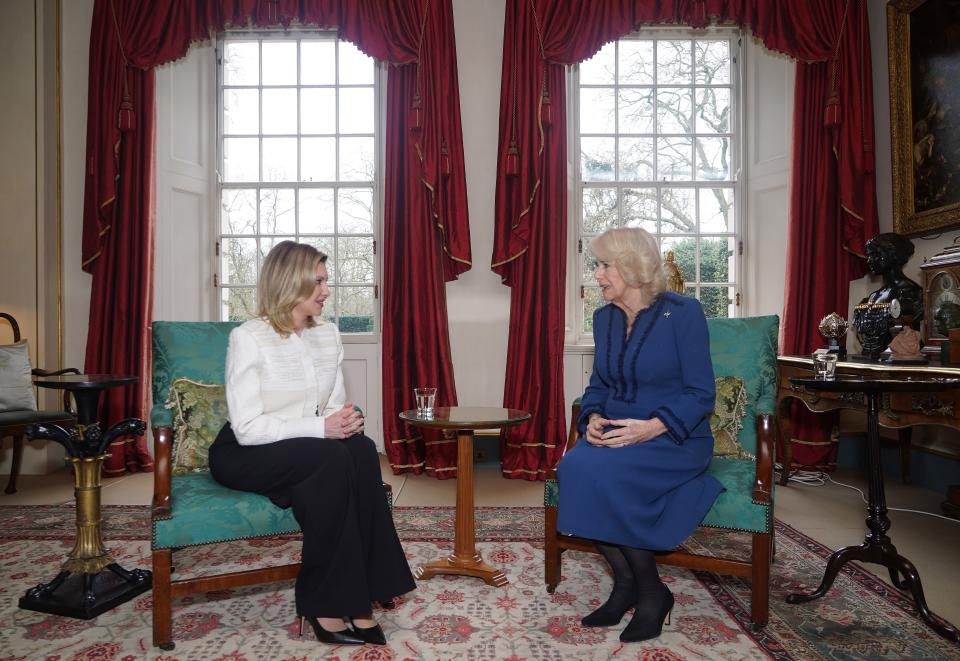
{"x":456,"y":618}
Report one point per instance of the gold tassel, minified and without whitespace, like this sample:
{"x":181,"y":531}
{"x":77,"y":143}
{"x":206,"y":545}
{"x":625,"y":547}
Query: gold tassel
{"x":126,"y":118}
{"x":445,"y":166}
{"x":416,"y":114}
{"x":512,"y":165}
{"x":831,"y":114}
{"x":546,"y":107}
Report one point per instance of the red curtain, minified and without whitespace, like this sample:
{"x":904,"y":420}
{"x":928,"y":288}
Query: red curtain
{"x":543,"y":36}
{"x":426,"y":223}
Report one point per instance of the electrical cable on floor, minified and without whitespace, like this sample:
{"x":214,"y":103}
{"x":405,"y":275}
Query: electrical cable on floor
{"x":812,"y":478}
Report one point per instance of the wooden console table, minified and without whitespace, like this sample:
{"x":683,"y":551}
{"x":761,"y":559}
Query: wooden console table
{"x":898,"y":410}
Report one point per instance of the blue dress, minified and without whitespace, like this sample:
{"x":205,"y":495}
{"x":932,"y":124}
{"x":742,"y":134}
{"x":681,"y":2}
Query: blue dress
{"x":648,"y":495}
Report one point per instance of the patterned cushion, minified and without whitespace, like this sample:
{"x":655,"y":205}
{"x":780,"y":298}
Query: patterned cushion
{"x":727,"y":418}
{"x":199,"y":412}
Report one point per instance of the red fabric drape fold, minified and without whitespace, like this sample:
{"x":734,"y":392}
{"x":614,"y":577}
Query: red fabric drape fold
{"x":427,"y":221}
{"x":530,"y":218}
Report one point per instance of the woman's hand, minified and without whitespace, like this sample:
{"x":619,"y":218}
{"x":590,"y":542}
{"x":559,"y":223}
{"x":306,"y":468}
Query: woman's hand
{"x":343,"y":423}
{"x":629,"y":431}
{"x":595,"y":425}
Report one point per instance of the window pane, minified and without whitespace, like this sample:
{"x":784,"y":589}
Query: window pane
{"x":356,"y":159}
{"x":674,"y":159}
{"x":640,"y":208}
{"x":588,"y":262}
{"x":713,"y":62}
{"x":356,"y":68}
{"x":356,"y":110}
{"x":713,"y":110}
{"x":674,"y":62}
{"x":597,"y":110}
{"x":241,"y":159}
{"x":355,"y":211}
{"x":599,"y":209}
{"x":636,"y":110}
{"x":636,"y":62}
{"x":678,"y":211}
{"x":325,"y":244}
{"x":713,"y":159}
{"x":318,"y":110}
{"x":277,"y":211}
{"x":716,"y":210}
{"x":237,"y":303}
{"x":238,"y":261}
{"x":599,"y":69}
{"x":636,"y":159}
{"x":716,"y":259}
{"x":316,"y":211}
{"x":716,"y":301}
{"x":318,"y":159}
{"x":279,"y":159}
{"x":596,"y":159}
{"x":592,"y":299}
{"x":241,"y":63}
{"x":241,"y":111}
{"x":355,"y":259}
{"x":280,"y":111}
{"x":238,"y":211}
{"x":317,"y":62}
{"x":684,"y":254}
{"x":279,"y":63}
{"x":674,"y":110}
{"x":355,"y":309}
{"x":268,"y":242}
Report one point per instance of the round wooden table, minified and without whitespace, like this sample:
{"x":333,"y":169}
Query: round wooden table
{"x":464,"y":561}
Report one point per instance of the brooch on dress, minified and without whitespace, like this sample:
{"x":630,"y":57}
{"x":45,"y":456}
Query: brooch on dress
{"x":667,"y":313}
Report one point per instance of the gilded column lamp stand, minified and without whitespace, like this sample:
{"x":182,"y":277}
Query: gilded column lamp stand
{"x":90,"y":582}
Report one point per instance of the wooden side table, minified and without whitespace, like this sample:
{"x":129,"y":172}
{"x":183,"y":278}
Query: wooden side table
{"x":90,"y":582}
{"x":464,"y":561}
{"x":877,"y":547}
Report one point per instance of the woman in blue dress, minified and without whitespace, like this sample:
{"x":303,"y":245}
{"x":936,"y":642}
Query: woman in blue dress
{"x":638,"y":484}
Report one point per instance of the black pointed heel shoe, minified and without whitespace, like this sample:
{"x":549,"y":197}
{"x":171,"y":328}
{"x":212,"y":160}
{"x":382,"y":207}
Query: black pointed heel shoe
{"x":345,"y":637}
{"x":612,"y":610}
{"x":653,"y":611}
{"x":372,"y":635}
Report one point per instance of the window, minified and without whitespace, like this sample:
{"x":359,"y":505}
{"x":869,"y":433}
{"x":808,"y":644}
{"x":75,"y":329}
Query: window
{"x":655,"y":128}
{"x":299,"y":143}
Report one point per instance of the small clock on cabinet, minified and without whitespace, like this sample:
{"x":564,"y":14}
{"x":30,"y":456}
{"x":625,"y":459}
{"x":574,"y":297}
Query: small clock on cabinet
{"x":941,"y":297}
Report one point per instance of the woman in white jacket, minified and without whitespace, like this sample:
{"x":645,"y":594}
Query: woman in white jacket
{"x":294,"y":438}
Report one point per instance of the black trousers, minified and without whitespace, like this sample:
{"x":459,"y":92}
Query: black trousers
{"x":351,"y":553}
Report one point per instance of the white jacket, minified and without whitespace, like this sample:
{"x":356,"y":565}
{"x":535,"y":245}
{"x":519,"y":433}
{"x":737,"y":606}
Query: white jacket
{"x":280,"y":387}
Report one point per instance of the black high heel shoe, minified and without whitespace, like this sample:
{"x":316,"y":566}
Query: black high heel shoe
{"x":372,"y":635}
{"x":345,"y":637}
{"x":651,"y":613}
{"x":612,"y":610}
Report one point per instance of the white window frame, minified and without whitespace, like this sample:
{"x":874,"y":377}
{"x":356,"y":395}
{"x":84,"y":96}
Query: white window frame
{"x":379,"y":86}
{"x":578,"y":340}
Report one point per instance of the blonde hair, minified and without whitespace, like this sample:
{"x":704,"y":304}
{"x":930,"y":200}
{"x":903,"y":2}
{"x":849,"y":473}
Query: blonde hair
{"x":636,"y":255}
{"x":287,"y":278}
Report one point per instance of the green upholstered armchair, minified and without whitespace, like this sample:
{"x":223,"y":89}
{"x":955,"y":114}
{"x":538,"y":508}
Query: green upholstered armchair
{"x":189,"y":507}
{"x":744,"y":348}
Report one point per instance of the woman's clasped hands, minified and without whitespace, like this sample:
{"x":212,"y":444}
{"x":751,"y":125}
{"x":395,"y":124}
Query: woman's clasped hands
{"x":343,"y":423}
{"x":625,"y":431}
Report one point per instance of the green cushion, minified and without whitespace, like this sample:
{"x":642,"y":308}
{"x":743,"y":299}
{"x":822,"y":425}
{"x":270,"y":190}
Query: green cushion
{"x":727,"y":418}
{"x":196,"y":350}
{"x":199,"y":412}
{"x":747,"y":348}
{"x":205,"y":512}
{"x":734,"y":508}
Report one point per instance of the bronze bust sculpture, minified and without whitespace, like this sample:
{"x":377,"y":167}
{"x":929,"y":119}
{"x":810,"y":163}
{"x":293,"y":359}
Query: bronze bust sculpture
{"x":886,"y":255}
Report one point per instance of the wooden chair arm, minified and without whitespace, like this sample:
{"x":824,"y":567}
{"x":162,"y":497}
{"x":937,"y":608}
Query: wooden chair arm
{"x":162,"y":441}
{"x":36,"y":371}
{"x":766,"y":450}
{"x":552,"y":474}
{"x":573,"y":436}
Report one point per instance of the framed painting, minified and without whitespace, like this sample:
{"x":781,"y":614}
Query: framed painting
{"x":923,"y":44}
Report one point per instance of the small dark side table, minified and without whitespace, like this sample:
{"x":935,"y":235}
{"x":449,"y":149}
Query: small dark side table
{"x":877,"y":547}
{"x":89,"y":582}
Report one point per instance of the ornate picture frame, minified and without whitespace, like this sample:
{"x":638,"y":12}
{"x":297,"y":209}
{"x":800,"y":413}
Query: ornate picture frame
{"x":923,"y":45}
